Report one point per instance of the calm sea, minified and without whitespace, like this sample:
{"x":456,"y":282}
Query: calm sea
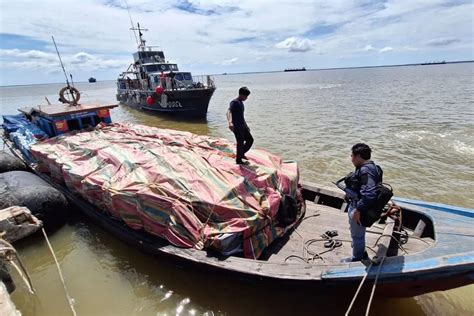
{"x":419,"y":121}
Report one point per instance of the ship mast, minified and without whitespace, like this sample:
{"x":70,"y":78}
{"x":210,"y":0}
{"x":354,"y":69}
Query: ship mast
{"x":142,"y":45}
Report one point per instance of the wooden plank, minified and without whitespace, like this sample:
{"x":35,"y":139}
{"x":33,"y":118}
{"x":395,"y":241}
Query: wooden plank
{"x":61,"y":109}
{"x":322,"y":189}
{"x":384,"y":242}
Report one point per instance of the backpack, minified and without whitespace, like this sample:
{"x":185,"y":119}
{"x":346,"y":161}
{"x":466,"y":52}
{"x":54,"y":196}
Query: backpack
{"x":385,"y":193}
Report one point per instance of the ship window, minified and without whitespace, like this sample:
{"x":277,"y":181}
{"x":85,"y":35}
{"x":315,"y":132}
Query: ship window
{"x":187,"y":76}
{"x":73,"y":125}
{"x":179,"y":77}
{"x":86,"y":122}
{"x":152,"y":68}
{"x":97,"y":120}
{"x":174,"y":67}
{"x":50,"y":129}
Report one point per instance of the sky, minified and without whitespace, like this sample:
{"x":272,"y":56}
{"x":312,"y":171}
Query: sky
{"x":213,"y":37}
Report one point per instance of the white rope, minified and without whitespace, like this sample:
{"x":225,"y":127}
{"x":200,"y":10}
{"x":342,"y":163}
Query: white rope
{"x":358,"y":289}
{"x":26,"y":279}
{"x":70,"y":300}
{"x":373,"y":287}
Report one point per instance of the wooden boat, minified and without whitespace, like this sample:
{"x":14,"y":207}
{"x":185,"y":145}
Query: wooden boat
{"x":428,"y":248}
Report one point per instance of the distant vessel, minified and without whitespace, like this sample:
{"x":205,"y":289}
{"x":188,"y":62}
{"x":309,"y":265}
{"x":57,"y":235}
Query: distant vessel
{"x":92,"y":79}
{"x":152,"y":83}
{"x":295,"y":69}
{"x":434,"y":63}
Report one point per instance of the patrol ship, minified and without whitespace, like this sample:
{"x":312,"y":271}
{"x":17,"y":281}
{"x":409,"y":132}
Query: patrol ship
{"x":153,"y":83}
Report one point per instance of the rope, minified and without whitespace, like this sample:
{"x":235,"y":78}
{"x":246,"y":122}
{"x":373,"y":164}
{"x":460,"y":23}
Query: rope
{"x":358,"y":289}
{"x":373,"y":287}
{"x":398,"y":243}
{"x":26,"y":279}
{"x":70,"y":300}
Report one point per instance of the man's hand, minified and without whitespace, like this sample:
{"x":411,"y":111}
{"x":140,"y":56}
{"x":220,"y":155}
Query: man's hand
{"x":231,"y":127}
{"x":356,"y":217}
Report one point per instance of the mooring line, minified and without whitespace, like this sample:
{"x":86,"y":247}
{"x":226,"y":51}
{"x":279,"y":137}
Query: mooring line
{"x":358,"y":289}
{"x":25,"y":277}
{"x":70,"y":300}
{"x":373,"y":286}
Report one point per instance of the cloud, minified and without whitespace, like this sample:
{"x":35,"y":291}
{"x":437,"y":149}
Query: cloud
{"x":34,"y":59}
{"x":386,"y":49}
{"x":229,"y":62}
{"x":295,"y":44}
{"x":369,"y":48}
{"x":203,"y":32}
{"x":443,"y":41}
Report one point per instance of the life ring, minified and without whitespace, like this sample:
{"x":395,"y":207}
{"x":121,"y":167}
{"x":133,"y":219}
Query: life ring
{"x":163,"y":67}
{"x":67,"y":93}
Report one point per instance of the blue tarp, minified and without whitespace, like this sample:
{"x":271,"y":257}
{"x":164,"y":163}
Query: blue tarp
{"x":23,"y":133}
{"x":12,"y":122}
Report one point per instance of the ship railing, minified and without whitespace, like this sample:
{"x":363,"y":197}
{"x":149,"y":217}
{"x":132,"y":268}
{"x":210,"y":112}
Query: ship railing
{"x":204,"y":81}
{"x":199,"y":82}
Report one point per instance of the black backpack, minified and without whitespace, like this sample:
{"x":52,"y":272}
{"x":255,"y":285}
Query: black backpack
{"x":385,"y":193}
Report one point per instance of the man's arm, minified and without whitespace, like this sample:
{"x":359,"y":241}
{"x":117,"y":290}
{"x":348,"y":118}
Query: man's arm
{"x":368,"y":189}
{"x":229,"y":120}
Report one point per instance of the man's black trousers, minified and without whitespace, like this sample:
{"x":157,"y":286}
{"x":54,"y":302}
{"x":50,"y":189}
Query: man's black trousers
{"x":244,"y":141}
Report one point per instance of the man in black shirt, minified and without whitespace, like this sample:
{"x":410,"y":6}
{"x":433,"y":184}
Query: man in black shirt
{"x":237,"y":124}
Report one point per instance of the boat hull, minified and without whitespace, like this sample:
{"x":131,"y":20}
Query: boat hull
{"x":185,"y":102}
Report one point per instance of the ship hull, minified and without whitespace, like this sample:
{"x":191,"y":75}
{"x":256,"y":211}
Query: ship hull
{"x":191,"y":102}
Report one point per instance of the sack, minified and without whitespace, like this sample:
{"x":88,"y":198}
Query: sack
{"x":385,"y":193}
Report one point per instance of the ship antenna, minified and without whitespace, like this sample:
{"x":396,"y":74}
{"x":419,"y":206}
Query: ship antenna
{"x":131,"y":22}
{"x":142,"y":44}
{"x":57,"y":51}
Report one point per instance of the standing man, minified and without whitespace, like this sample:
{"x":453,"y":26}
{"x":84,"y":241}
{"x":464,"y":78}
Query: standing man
{"x":237,"y":124}
{"x":163,"y":80}
{"x":361,"y":190}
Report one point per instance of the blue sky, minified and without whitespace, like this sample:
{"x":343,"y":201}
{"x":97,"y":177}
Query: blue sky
{"x":213,"y":36}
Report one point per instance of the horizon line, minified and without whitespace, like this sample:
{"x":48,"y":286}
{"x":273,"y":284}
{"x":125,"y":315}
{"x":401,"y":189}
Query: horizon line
{"x":275,"y":71}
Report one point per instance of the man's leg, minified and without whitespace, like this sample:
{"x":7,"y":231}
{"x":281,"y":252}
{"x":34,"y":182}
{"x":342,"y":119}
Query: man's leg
{"x":358,"y":237}
{"x":239,"y":137}
{"x":248,"y":140}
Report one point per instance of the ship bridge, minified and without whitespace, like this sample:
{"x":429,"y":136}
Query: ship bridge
{"x":144,"y":57}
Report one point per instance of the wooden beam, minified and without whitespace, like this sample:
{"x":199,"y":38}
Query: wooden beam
{"x":384,"y":242}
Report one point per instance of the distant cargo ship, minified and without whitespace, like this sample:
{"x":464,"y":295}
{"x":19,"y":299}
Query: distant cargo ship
{"x":434,"y":63}
{"x":295,"y":69}
{"x":92,"y":79}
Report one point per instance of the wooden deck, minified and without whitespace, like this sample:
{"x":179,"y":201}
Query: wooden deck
{"x":319,"y":219}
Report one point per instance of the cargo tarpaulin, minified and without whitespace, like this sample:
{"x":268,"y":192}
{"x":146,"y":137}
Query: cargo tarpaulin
{"x":177,"y":185}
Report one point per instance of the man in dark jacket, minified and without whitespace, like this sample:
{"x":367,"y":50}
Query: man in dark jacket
{"x":237,"y":124}
{"x":362,"y":191}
